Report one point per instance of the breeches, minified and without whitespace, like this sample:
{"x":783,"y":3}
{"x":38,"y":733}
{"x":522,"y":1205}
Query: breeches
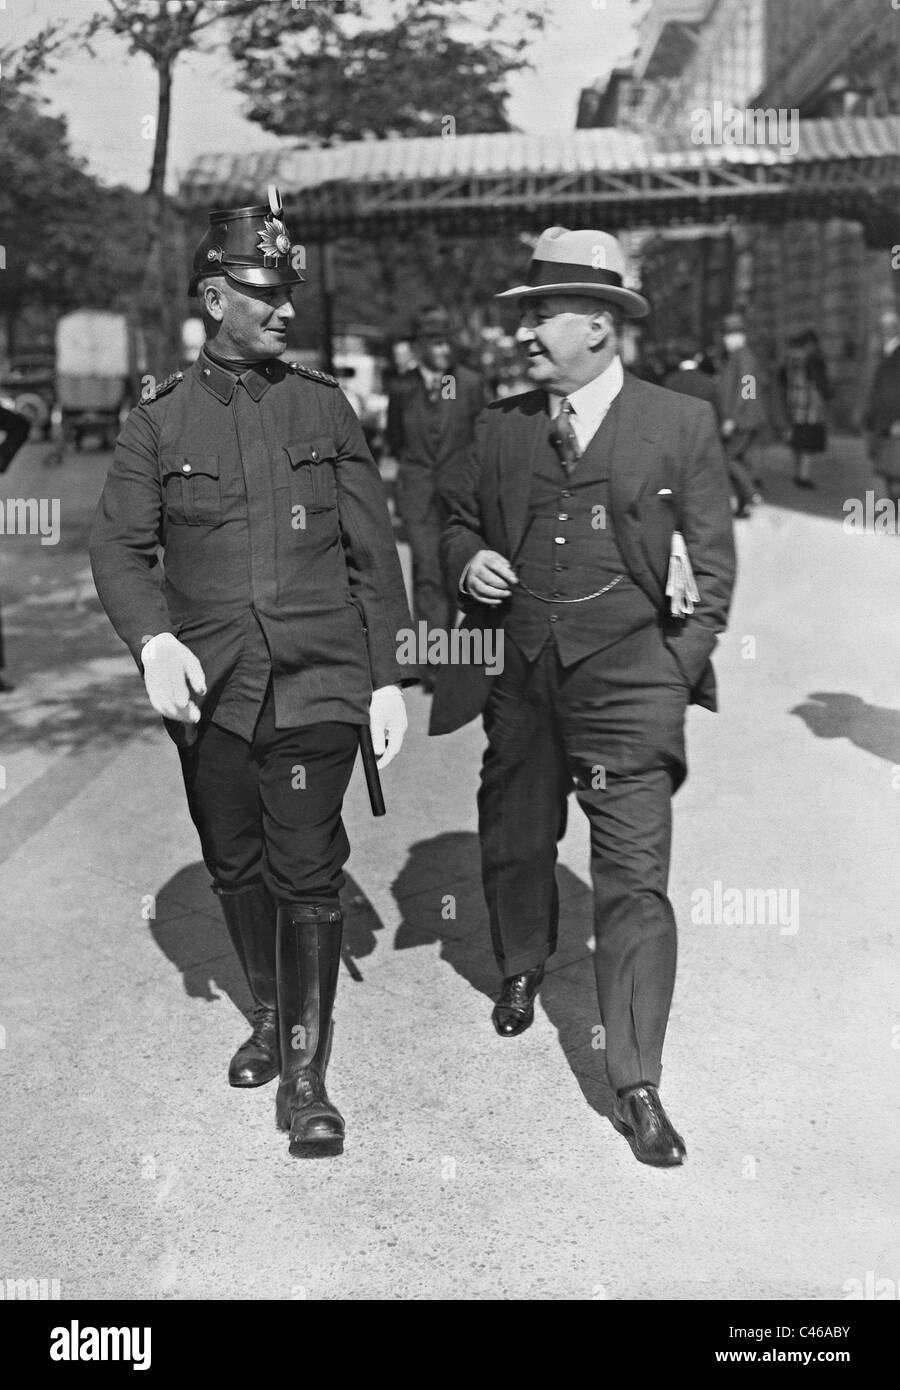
{"x":272,"y":807}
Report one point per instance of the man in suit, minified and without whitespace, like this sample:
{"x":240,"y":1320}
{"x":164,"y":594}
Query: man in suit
{"x":271,"y":640}
{"x":563,"y":537}
{"x":741,"y":411}
{"x":882,"y":415}
{"x":431,"y":415}
{"x":689,"y":377}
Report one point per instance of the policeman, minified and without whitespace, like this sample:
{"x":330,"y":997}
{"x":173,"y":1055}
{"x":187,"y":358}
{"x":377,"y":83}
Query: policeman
{"x":270,"y":640}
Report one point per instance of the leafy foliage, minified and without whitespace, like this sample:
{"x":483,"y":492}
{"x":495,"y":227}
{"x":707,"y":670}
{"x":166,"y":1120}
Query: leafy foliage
{"x":329,"y":72}
{"x":69,"y":240}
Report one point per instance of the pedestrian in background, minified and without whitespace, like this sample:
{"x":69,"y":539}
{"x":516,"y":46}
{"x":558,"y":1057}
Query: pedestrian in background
{"x":882,"y":417}
{"x":742,"y":414}
{"x":688,"y":376}
{"x":403,"y":360}
{"x":431,"y":417}
{"x":805,"y":389}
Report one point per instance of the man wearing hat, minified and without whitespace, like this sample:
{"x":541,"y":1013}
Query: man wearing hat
{"x":570,"y":535}
{"x":431,"y":415}
{"x":741,"y":410}
{"x":270,"y":641}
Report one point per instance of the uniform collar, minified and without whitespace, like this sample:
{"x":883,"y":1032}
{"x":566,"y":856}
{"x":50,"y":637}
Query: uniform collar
{"x":220,"y":382}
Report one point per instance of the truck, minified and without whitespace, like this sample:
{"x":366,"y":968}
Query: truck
{"x":97,"y":374}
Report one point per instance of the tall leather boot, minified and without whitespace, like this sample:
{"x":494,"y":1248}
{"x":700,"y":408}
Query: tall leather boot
{"x":309,"y":958}
{"x":250,"y":918}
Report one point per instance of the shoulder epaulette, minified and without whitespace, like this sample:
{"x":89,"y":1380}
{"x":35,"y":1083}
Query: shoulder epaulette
{"x":314,"y":374}
{"x":171,"y":380}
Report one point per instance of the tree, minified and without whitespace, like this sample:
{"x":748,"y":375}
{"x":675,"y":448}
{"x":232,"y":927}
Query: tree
{"x":324,"y":70}
{"x":161,"y":30}
{"x":68,"y":240}
{"x":329,"y":72}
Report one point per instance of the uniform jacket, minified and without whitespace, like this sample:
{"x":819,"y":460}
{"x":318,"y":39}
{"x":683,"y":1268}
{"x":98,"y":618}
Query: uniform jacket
{"x":663,"y":441}
{"x":431,"y":461}
{"x":271,"y":515}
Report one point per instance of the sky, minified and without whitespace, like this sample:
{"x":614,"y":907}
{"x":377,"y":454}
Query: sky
{"x":108,"y":100}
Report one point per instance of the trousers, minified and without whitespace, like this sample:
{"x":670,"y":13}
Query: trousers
{"x":271,"y":807}
{"x":588,"y":728}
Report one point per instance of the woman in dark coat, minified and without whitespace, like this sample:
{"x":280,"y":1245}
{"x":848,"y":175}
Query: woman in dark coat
{"x":806,"y":391}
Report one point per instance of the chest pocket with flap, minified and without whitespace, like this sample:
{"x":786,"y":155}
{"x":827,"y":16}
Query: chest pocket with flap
{"x":312,"y":472}
{"x":191,"y":489}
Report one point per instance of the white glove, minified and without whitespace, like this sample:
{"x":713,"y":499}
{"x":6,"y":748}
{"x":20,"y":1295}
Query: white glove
{"x":387,"y":720}
{"x":172,"y":674}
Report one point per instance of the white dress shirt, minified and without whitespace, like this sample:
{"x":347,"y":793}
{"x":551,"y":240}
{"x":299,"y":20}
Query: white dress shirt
{"x":591,"y":402}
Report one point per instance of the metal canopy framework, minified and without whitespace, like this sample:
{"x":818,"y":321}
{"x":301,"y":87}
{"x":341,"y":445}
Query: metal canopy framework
{"x":478,"y":185}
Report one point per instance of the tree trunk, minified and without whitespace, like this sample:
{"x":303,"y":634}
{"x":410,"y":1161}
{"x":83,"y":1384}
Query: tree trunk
{"x":157,"y":311}
{"x":157,"y":184}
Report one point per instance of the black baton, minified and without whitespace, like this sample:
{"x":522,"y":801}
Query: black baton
{"x":370,"y":768}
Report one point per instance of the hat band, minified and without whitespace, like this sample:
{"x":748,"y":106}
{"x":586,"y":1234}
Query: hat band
{"x":554,"y":273}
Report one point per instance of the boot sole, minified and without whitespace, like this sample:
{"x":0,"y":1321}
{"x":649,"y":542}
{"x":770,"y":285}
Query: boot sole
{"x":261,"y":1081}
{"x":322,"y":1148}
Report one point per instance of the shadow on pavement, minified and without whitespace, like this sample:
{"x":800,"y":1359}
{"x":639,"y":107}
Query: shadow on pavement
{"x":444,"y":874}
{"x":75,"y":683}
{"x":873,"y":728}
{"x":843,"y":471}
{"x":189,"y":930}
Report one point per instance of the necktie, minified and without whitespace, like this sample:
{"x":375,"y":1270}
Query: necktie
{"x":569,"y":452}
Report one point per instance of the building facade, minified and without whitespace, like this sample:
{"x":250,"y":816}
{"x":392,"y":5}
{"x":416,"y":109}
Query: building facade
{"x":806,"y":59}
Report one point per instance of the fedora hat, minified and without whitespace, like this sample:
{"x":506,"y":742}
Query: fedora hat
{"x":586,"y":262}
{"x":431,"y":323}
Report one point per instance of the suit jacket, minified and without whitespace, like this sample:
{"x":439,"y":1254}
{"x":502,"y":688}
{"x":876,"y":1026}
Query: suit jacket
{"x":663,"y":441}
{"x":272,"y":516}
{"x":884,"y":396}
{"x":748,"y":413}
{"x":429,"y":466}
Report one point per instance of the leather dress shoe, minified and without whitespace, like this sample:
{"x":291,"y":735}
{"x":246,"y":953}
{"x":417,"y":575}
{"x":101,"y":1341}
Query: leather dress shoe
{"x":640,"y":1116}
{"x":514,"y":1010}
